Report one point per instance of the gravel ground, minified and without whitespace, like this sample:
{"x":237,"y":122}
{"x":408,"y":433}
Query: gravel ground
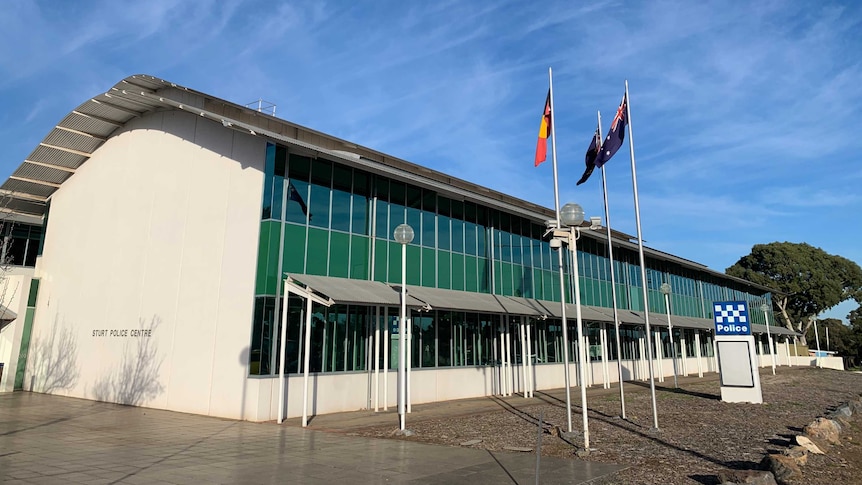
{"x":699,"y":434}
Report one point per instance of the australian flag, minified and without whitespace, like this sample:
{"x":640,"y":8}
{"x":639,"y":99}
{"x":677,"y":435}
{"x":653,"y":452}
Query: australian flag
{"x":293,"y":194}
{"x":590,"y":157}
{"x":616,"y":134}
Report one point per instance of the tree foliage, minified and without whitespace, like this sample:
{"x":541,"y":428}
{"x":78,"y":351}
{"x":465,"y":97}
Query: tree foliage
{"x":808,"y":280}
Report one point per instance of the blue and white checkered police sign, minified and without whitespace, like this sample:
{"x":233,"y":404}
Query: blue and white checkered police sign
{"x":731,"y":318}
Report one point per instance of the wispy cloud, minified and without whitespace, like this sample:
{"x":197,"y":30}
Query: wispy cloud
{"x":741,"y":113}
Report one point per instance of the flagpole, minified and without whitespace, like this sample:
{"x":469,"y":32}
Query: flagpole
{"x":613,"y":280}
{"x":643,"y":264}
{"x":560,"y":255}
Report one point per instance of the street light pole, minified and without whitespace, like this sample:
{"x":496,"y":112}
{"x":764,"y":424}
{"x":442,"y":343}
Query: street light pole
{"x":403,"y":235}
{"x":765,"y":309}
{"x":572,"y":215}
{"x":817,"y":336}
{"x":665,"y":289}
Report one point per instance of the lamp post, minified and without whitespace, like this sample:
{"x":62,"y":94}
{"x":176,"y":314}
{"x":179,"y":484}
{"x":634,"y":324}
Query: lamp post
{"x":403,"y":236}
{"x":665,"y":290}
{"x":817,"y":336}
{"x":765,"y":308}
{"x":572,"y":215}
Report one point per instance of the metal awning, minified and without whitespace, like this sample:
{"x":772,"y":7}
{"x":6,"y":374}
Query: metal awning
{"x":440,"y":299}
{"x":361,"y":292}
{"x":7,"y":315}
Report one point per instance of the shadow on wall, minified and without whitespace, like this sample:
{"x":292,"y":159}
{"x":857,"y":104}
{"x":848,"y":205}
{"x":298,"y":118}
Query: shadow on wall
{"x":136,"y":379}
{"x":55,"y":360}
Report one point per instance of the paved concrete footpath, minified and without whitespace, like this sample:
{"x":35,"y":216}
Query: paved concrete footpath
{"x":49,"y":439}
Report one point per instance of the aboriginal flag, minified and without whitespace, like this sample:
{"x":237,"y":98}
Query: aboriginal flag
{"x":544,"y":132}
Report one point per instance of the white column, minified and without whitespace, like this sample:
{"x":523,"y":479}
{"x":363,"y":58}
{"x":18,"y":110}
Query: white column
{"x":658,"y":356}
{"x":387,"y":343}
{"x":642,"y":348}
{"x":306,"y":362}
{"x":532,"y":385}
{"x":376,"y":358}
{"x":522,"y":333}
{"x":697,"y":353}
{"x":409,"y":350}
{"x":683,"y":352}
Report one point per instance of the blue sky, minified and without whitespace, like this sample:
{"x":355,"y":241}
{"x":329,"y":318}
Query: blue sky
{"x":744,"y":113}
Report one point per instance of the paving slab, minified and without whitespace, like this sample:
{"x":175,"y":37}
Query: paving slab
{"x":51,"y":439}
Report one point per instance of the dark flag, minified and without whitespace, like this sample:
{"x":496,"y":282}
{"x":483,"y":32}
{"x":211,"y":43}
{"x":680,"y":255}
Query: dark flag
{"x":616,"y":135}
{"x":293,"y":194}
{"x":590,"y":157}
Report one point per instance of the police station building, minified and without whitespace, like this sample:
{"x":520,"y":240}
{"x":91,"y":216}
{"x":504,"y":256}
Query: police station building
{"x":159,"y":228}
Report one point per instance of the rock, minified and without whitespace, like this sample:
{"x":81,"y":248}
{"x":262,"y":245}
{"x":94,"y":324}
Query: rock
{"x":809,"y":445}
{"x":752,"y":477}
{"x":855,"y":406}
{"x":524,"y":449}
{"x":842,"y":410}
{"x":783,"y":468}
{"x":403,"y":432}
{"x":471,"y":442}
{"x":823,"y":430}
{"x":799,"y":454}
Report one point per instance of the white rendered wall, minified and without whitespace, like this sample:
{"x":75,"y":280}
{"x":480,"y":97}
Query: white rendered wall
{"x":14,"y":289}
{"x":158,"y":231}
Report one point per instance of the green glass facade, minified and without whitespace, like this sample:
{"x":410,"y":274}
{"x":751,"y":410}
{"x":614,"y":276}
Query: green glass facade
{"x":321,"y":217}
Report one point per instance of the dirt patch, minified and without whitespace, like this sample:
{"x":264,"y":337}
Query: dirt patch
{"x":698,"y":436}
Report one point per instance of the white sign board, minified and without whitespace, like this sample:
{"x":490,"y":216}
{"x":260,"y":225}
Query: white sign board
{"x":740,"y":380}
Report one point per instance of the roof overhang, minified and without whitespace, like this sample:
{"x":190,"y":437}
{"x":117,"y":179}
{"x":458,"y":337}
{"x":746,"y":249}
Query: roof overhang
{"x":86,"y":128}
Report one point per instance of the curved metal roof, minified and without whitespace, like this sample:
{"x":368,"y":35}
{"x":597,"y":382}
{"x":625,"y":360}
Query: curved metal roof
{"x":78,"y":135}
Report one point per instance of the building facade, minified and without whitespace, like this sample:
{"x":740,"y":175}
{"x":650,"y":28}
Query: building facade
{"x":172,"y":220}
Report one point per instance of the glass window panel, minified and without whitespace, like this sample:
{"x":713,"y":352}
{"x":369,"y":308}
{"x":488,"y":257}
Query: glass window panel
{"x":342,"y":178}
{"x":318,"y":243}
{"x":396,"y":218}
{"x":414,"y":265}
{"x":360,"y":215}
{"x":424,"y":340}
{"x":272,"y":273}
{"x":263,"y":257}
{"x":262,"y":336}
{"x":429,"y":267}
{"x":339,"y":254}
{"x":444,"y":339}
{"x":457,"y":235}
{"x":278,"y":181}
{"x":471,"y":273}
{"x":444,"y":239}
{"x":361,"y":183}
{"x":294,"y":207}
{"x":444,"y":269}
{"x":429,"y":229}
{"x":269,"y":172}
{"x":507,"y":276}
{"x":394,"y":261}
{"x":381,"y":231}
{"x":517,"y":251}
{"x":321,"y":172}
{"x":293,"y":257}
{"x":457,"y":271}
{"x":318,"y":206}
{"x":381,"y":257}
{"x":470,"y":238}
{"x":443,"y":232}
{"x":482,"y":241}
{"x":359,"y":257}
{"x":484,"y":275}
{"x":414,"y":219}
{"x":341,"y":213}
{"x":397,"y":192}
